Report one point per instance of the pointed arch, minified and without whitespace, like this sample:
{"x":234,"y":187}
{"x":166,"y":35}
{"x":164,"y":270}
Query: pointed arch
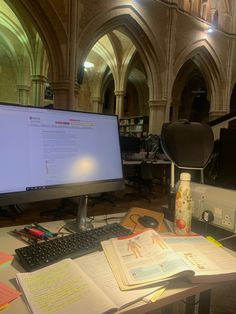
{"x":140,"y":34}
{"x":20,"y":35}
{"x":204,"y":56}
{"x":50,"y":27}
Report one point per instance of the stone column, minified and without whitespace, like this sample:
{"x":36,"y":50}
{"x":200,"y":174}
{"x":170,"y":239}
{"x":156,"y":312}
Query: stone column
{"x":38,"y":86}
{"x":72,"y":40}
{"x":97,"y":104}
{"x":120,"y":103}
{"x":157,"y":110}
{"x":62,"y":96}
{"x":216,"y":114}
{"x":23,"y":94}
{"x":191,"y":6}
{"x":203,"y":13}
{"x":212,"y":13}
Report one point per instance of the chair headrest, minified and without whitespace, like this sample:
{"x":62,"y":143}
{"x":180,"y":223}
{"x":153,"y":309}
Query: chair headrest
{"x":187,"y":144}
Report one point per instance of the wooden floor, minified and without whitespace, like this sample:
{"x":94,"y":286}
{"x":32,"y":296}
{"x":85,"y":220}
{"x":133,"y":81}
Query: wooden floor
{"x":223,"y":297}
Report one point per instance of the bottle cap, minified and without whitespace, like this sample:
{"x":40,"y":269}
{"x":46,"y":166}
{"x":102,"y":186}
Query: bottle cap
{"x":185,"y":176}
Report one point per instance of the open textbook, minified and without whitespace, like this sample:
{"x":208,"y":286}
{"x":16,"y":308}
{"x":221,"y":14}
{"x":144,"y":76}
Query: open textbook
{"x":84,"y":285}
{"x":209,"y":262}
{"x":147,"y":257}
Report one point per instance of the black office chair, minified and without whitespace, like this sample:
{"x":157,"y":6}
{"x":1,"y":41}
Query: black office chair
{"x":105,"y":197}
{"x":189,"y":145}
{"x":10,"y":212}
{"x":142,"y":180}
{"x":146,"y":180}
{"x":152,"y":143}
{"x":66,"y":207}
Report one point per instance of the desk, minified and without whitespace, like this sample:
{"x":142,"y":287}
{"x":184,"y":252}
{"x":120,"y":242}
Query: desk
{"x":175,"y":292}
{"x":153,"y":161}
{"x":160,"y":169}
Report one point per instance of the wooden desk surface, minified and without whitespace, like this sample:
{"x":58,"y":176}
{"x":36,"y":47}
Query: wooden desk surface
{"x":175,"y":291}
{"x":153,"y":161}
{"x":131,"y":219}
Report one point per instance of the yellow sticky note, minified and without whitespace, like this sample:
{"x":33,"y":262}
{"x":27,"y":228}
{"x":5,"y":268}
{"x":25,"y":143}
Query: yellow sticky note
{"x":4,"y":306}
{"x":157,"y":294}
{"x":153,"y":297}
{"x":211,"y":239}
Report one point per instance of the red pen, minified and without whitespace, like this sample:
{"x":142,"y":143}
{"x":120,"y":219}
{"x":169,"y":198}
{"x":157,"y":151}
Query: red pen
{"x":26,"y":237}
{"x":36,"y":232}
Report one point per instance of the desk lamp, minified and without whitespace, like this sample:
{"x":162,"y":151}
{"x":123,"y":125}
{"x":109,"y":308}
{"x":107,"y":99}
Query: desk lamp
{"x":188,"y":145}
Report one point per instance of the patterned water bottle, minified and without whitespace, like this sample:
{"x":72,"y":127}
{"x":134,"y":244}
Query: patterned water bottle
{"x":183,"y":206}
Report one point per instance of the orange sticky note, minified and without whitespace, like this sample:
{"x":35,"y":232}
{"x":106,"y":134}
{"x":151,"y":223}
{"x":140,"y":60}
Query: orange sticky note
{"x":5,"y":259}
{"x":7,"y":294}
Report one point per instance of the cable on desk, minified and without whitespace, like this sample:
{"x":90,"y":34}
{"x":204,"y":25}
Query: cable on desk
{"x":114,"y":218}
{"x":106,"y":219}
{"x":92,"y":219}
{"x":63,"y":233}
{"x":135,"y":222}
{"x":227,"y":238}
{"x":18,"y":208}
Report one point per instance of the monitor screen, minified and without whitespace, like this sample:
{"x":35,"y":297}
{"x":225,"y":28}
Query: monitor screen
{"x":130,"y":144}
{"x":51,"y":153}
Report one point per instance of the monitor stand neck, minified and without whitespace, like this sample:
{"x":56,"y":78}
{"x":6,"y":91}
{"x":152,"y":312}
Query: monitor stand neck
{"x":81,"y":222}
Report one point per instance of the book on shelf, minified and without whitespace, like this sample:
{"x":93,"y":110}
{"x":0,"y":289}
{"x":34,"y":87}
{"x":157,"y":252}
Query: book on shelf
{"x":148,"y":257}
{"x":83,"y":285}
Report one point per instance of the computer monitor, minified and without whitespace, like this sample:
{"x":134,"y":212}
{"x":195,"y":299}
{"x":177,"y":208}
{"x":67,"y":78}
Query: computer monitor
{"x":51,"y":153}
{"x":130,"y":144}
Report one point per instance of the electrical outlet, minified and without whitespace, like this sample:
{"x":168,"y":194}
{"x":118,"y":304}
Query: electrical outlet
{"x":220,"y":202}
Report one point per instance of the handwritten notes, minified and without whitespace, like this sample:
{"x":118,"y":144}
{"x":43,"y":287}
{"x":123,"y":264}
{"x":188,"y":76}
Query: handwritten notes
{"x":61,"y":288}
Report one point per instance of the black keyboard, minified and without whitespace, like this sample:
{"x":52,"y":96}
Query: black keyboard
{"x":39,"y":255}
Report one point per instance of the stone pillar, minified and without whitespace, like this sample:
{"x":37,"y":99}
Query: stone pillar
{"x":157,"y":110}
{"x":120,"y":103}
{"x":72,"y":44}
{"x":216,"y":114}
{"x":203,"y":13}
{"x":212,"y":13}
{"x":97,"y":104}
{"x":23,"y":94}
{"x":38,"y":87}
{"x":191,"y":6}
{"x":62,"y":96}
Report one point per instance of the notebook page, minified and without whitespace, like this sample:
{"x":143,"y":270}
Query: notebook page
{"x":62,"y":288}
{"x":104,"y":278}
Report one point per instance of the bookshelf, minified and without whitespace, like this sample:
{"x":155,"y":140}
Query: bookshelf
{"x":137,"y":126}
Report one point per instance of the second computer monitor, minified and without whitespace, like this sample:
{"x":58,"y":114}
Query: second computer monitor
{"x":130,"y":144}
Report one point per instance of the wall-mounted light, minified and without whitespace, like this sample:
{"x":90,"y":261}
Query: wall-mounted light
{"x":209,"y":30}
{"x":88,"y":65}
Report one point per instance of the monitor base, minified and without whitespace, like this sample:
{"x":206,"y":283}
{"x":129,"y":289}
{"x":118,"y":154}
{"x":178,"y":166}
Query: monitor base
{"x":73,"y":226}
{"x":81,"y":223}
